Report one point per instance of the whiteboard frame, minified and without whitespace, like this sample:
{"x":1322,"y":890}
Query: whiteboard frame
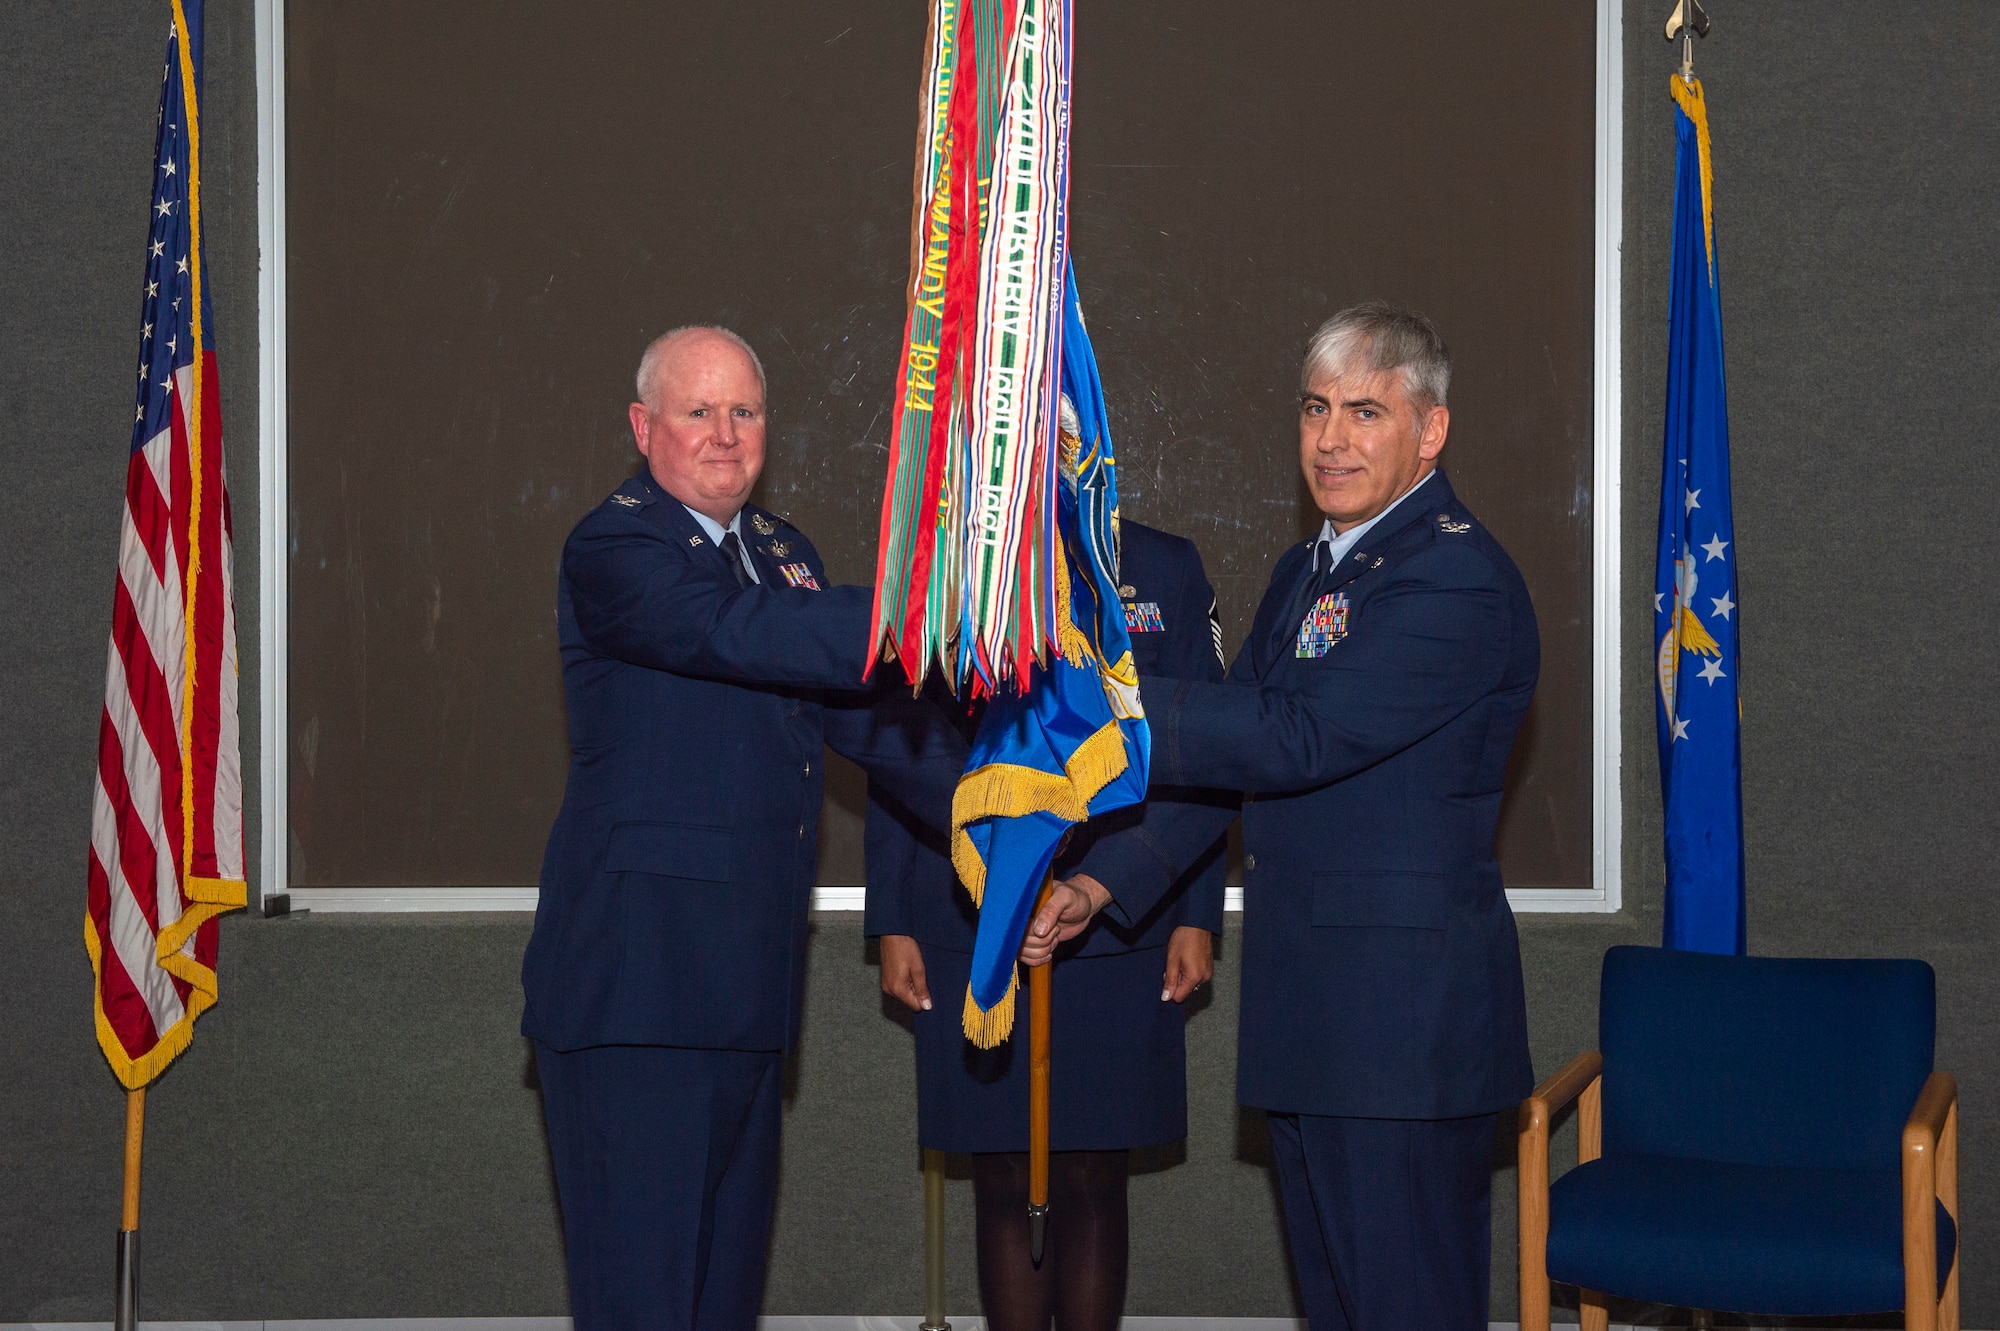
{"x":273,"y":457}
{"x":1606,"y":893}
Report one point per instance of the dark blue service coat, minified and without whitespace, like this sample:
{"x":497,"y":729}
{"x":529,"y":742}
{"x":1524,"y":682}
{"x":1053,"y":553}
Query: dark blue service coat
{"x":675,"y":888}
{"x":1119,"y":1066}
{"x":1381,"y":971}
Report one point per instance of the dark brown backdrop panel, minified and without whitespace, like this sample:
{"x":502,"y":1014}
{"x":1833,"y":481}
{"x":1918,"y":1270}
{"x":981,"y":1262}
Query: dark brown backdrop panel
{"x":495,"y":205}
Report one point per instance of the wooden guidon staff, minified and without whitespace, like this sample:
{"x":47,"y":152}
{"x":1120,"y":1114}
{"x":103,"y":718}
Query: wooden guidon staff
{"x":1040,"y":983}
{"x":126,"y":1314}
{"x":934,"y":1243}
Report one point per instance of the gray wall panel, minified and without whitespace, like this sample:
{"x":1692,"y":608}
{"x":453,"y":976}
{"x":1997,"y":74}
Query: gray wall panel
{"x":354,"y":1133}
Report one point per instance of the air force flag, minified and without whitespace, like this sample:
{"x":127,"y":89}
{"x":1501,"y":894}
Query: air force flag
{"x":1694,"y":597}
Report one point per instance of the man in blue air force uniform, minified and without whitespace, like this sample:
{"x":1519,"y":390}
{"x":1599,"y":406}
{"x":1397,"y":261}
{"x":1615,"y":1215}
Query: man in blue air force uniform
{"x":1368,"y":721}
{"x":1119,"y":1076}
{"x":700,"y":643}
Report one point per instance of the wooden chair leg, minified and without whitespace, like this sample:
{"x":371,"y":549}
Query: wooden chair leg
{"x":1582,"y":1075}
{"x":1590,"y":1122}
{"x":1947,"y":1192}
{"x":1592,"y":1312}
{"x":1532,"y":1196}
{"x":1926,"y":1182}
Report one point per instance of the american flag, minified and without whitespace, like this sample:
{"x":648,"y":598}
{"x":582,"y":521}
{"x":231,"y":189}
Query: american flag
{"x":166,"y":828}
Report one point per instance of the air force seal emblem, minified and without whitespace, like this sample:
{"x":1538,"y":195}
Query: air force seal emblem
{"x":1686,"y":633}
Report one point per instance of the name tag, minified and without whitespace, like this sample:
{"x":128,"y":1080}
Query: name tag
{"x":1144,"y":617}
{"x":1324,"y":625}
{"x":799,"y":575}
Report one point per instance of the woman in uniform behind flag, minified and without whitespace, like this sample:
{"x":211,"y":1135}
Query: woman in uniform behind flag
{"x":1118,"y":1075}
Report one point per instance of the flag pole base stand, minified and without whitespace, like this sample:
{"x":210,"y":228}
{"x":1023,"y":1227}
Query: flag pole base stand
{"x":1038,"y":1231}
{"x":939,"y":1326}
{"x":128,"y":1281}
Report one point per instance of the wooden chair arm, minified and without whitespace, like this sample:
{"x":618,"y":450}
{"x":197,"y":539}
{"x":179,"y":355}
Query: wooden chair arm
{"x":1930,"y":1176}
{"x":1562,"y":1088}
{"x":1934,"y":1102}
{"x":1581,"y":1077}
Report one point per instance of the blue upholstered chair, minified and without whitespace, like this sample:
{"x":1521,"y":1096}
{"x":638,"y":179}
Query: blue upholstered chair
{"x":1757,"y":1134}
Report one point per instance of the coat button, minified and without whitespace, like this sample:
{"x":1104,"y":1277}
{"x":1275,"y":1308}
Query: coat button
{"x":809,"y":769}
{"x":802,"y":831}
{"x":1249,"y":862}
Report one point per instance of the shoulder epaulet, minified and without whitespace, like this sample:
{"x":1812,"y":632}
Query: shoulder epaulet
{"x":635,"y":492}
{"x":1453,"y":526}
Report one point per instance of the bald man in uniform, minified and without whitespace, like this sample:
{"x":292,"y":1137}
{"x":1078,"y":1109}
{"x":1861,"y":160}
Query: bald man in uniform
{"x":706,"y":660}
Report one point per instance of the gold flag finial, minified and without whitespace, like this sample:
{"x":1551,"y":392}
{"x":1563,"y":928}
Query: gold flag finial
{"x":1688,"y":21}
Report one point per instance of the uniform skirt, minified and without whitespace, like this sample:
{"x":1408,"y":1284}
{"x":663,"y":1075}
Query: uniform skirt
{"x":1117,"y":1060}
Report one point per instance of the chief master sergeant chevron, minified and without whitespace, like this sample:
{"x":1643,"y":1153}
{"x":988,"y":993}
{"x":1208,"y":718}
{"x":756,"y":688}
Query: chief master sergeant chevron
{"x":699,"y":642}
{"x":1367,"y":720}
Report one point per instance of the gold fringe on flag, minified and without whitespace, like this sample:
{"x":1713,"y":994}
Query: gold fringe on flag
{"x":1009,"y":790}
{"x":1687,"y":92}
{"x":987,"y":1027}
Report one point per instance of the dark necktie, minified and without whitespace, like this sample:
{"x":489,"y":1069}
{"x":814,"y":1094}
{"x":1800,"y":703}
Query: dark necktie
{"x":732,"y":550}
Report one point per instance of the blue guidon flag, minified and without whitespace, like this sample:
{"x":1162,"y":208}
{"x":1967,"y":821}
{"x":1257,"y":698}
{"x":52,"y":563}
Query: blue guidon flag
{"x":1075,"y":744}
{"x":998,"y":559}
{"x":1694,"y":598}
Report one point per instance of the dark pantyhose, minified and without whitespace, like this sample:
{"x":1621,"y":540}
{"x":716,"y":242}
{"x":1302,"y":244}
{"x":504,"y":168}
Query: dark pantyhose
{"x":1081,"y":1281}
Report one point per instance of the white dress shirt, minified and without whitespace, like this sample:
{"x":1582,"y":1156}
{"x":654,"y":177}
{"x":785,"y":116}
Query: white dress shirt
{"x":716,"y":529}
{"x":1341,"y":543}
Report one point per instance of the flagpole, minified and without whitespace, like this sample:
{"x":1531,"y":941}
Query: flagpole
{"x":127,"y":1305}
{"x":1040,"y":985}
{"x":934,"y":1242}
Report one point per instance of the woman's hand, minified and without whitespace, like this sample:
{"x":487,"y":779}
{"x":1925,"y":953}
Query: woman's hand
{"x":903,"y":972}
{"x":1190,"y":963}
